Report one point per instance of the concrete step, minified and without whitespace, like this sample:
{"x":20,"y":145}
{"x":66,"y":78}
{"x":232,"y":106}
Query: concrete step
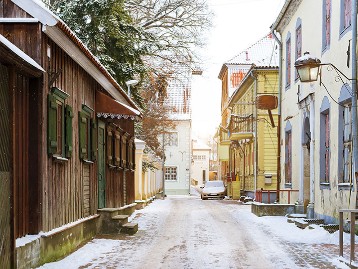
{"x":291,"y":218}
{"x":300,"y":223}
{"x":129,"y":228}
{"x":331,"y":228}
{"x":314,"y":221}
{"x":122,"y":219}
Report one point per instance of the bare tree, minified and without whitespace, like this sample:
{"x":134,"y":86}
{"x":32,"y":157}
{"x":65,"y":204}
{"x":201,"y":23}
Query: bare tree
{"x":179,"y":27}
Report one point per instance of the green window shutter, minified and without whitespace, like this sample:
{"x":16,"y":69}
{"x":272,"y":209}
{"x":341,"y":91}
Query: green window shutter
{"x":82,"y":125}
{"x":52,"y":125}
{"x":68,"y":131}
{"x":93,"y":140}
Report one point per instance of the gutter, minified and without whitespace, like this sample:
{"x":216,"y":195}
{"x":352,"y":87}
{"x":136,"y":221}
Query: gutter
{"x":278,"y":179}
{"x":255,"y":136}
{"x":354,"y":94}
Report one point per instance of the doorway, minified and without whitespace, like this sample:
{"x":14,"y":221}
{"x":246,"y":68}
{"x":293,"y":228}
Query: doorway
{"x":306,"y":162}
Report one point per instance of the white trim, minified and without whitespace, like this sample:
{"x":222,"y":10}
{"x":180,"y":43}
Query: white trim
{"x":115,"y":116}
{"x":20,"y":53}
{"x":37,"y":10}
{"x":19,"y":20}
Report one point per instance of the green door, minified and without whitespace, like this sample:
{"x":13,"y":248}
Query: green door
{"x":101,"y":165}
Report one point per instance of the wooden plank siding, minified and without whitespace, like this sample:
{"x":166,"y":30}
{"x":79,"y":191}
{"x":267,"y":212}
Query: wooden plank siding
{"x":49,"y":193}
{"x":72,"y":186}
{"x":6,"y":242}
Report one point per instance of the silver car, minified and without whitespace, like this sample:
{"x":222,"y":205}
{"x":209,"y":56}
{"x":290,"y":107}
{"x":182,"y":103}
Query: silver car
{"x":213,"y":189}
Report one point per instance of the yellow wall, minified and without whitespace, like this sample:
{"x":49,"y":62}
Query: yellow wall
{"x":266,"y":159}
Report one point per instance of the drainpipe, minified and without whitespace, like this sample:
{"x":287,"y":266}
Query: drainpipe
{"x":354,"y":93}
{"x":255,"y":136}
{"x":278,"y":179}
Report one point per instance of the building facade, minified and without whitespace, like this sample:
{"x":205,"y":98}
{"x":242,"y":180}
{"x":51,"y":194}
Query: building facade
{"x":200,"y":163}
{"x":252,"y":131}
{"x":177,"y":141}
{"x":264,"y":53}
{"x":67,"y":137}
{"x":316,"y":127}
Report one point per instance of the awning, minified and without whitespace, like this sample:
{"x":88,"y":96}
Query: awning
{"x":241,"y":135}
{"x":107,"y":107}
{"x":12,"y":55}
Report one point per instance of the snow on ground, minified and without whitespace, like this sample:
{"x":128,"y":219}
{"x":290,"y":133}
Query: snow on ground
{"x":185,"y":232}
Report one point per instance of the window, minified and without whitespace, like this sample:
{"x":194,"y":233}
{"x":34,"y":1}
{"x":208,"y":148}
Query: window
{"x":324,"y":142}
{"x":346,"y":15}
{"x":170,"y":173}
{"x":288,"y":154}
{"x":298,"y":52}
{"x":87,"y":134}
{"x":288,"y":60}
{"x":59,"y":135}
{"x":171,"y":139}
{"x":347,"y":144}
{"x":326,"y":25}
{"x":124,"y":150}
{"x":345,"y":135}
{"x":114,"y":146}
{"x":131,"y":154}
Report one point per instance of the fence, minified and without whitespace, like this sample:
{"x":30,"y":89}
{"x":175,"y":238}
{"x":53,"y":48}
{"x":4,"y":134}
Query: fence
{"x":270,"y":196}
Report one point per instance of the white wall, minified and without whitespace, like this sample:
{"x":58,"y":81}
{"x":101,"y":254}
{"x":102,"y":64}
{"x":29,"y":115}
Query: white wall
{"x":180,"y":157}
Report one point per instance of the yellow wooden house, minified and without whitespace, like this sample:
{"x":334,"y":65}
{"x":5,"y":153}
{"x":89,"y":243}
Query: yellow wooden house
{"x":253,"y":133}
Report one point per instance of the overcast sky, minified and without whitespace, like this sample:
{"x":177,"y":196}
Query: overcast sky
{"x":237,"y":25}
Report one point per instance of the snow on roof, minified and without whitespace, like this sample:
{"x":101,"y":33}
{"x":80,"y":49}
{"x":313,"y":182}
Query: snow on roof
{"x":20,"y":53}
{"x":38,"y":9}
{"x":264,"y":52}
{"x":200,"y":145}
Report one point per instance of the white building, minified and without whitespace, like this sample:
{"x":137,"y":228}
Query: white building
{"x":178,"y":141}
{"x":200,"y":163}
{"x":316,"y":127}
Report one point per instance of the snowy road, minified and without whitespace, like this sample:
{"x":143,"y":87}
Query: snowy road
{"x":186,"y":232}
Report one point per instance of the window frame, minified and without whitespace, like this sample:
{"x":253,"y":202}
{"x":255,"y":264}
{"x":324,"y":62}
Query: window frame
{"x":325,"y":145}
{"x":346,"y":8}
{"x":288,"y":61}
{"x":326,"y":24}
{"x":87,"y":129}
{"x":171,"y":139}
{"x":59,"y":125}
{"x":345,"y":175}
{"x":170,"y":174}
{"x":288,"y":155}
{"x":298,"y":43}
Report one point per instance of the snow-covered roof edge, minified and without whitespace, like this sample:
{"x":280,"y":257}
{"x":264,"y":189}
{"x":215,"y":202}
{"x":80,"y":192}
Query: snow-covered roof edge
{"x":38,"y":10}
{"x":20,"y":53}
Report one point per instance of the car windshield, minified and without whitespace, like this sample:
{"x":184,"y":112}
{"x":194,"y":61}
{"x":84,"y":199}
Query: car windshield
{"x":211,"y":184}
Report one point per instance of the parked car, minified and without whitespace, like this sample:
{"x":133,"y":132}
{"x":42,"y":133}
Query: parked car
{"x":213,"y":189}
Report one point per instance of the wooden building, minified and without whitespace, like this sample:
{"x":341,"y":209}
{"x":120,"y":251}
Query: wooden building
{"x":66,"y":133}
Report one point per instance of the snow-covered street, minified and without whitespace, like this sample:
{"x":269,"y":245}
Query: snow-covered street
{"x":186,"y":232}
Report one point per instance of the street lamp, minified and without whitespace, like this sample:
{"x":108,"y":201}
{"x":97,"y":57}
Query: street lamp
{"x":130,"y":83}
{"x":308,"y":67}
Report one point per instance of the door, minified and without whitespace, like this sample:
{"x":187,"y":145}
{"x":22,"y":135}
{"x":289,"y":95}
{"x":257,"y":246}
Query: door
{"x":6,"y":234}
{"x":101,"y":164}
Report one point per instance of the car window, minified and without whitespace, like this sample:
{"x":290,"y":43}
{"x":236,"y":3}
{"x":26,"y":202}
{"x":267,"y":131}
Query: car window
{"x":214,"y":184}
